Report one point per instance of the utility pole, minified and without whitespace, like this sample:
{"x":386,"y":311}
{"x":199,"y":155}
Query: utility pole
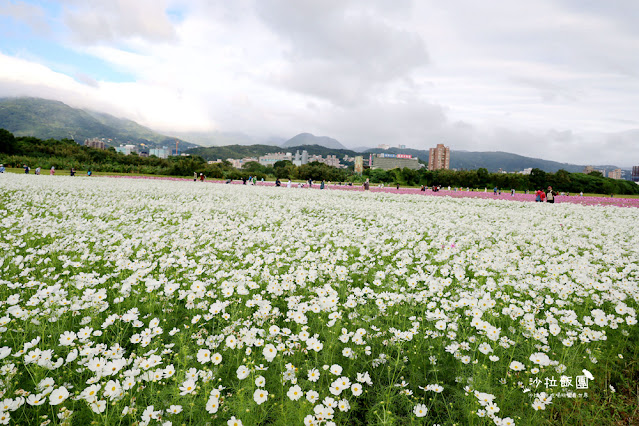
{"x":176,"y":146}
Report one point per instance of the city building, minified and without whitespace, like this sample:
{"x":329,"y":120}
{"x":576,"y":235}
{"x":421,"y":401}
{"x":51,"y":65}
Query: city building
{"x":126,"y":149}
{"x":94,"y":143}
{"x":439,"y":157}
{"x":270,"y":159}
{"x":526,"y":171}
{"x":395,"y":161}
{"x":331,"y":160}
{"x":160,"y":152}
{"x":359,"y":164}
{"x":239,"y":163}
{"x":401,"y":146}
{"x":300,"y":159}
{"x":588,"y":169}
{"x":635,"y":174}
{"x":615,"y":174}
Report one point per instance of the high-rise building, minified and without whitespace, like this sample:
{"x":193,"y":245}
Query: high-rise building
{"x":439,"y":157}
{"x":94,"y":143}
{"x":160,"y":152}
{"x":615,"y":174}
{"x":126,"y":149}
{"x":359,"y":164}
{"x":635,"y":174}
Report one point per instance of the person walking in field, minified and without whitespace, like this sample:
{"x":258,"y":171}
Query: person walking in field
{"x":37,"y":172}
{"x":367,"y":185}
{"x":550,"y":195}
{"x":1,"y":168}
{"x":52,"y":171}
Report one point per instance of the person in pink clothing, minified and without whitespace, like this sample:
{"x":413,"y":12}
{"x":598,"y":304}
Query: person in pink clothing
{"x":52,"y":171}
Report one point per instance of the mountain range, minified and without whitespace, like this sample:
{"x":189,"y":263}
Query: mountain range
{"x":49,"y":119}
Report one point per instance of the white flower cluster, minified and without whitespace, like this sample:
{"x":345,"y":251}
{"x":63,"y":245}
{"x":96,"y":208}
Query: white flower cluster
{"x":165,"y":299}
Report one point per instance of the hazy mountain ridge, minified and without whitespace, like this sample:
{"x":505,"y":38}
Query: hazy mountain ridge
{"x":310,"y":139}
{"x":48,"y":119}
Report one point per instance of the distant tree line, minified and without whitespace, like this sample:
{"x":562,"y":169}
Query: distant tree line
{"x":481,"y":178}
{"x":66,"y":153}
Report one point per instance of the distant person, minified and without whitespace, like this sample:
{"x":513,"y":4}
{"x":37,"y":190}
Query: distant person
{"x":52,"y":171}
{"x":543,"y":195}
{"x":581,"y":193}
{"x":397,"y":186}
{"x":310,"y":183}
{"x":550,"y":195}
{"x":512,"y":192}
{"x":289,"y":184}
{"x":538,"y":196}
{"x":423,"y":188}
{"x":37,"y":171}
{"x":495,"y":191}
{"x":194,"y":176}
{"x":1,"y":168}
{"x":72,"y":171}
{"x":89,"y":173}
{"x":243,"y":181}
{"x":367,"y":185}
{"x":277,"y":182}
{"x":202,"y":177}
{"x":322,"y":185}
{"x":26,"y":169}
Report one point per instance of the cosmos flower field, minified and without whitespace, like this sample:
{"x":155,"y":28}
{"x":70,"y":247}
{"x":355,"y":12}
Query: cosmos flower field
{"x":174,"y":302}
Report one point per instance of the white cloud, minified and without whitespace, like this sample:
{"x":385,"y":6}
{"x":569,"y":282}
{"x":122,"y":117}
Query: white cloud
{"x":100,"y":21}
{"x":551,"y":79}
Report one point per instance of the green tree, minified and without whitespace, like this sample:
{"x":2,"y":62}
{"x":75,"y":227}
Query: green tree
{"x":7,"y":142}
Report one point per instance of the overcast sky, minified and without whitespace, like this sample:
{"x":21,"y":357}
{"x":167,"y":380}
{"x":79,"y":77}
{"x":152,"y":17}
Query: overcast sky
{"x":555,"y":79}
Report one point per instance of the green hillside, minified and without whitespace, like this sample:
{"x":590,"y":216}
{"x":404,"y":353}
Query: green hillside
{"x":241,"y":151}
{"x":47,"y":119}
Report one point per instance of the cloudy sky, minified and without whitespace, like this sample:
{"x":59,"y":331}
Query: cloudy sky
{"x":556,"y":79}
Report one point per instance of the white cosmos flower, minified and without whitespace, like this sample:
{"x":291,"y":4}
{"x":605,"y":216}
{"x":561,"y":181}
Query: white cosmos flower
{"x":58,"y":396}
{"x":420,"y":410}
{"x":188,"y":387}
{"x":242,"y":372}
{"x":260,"y":395}
{"x":294,"y":393}
{"x":203,"y":356}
